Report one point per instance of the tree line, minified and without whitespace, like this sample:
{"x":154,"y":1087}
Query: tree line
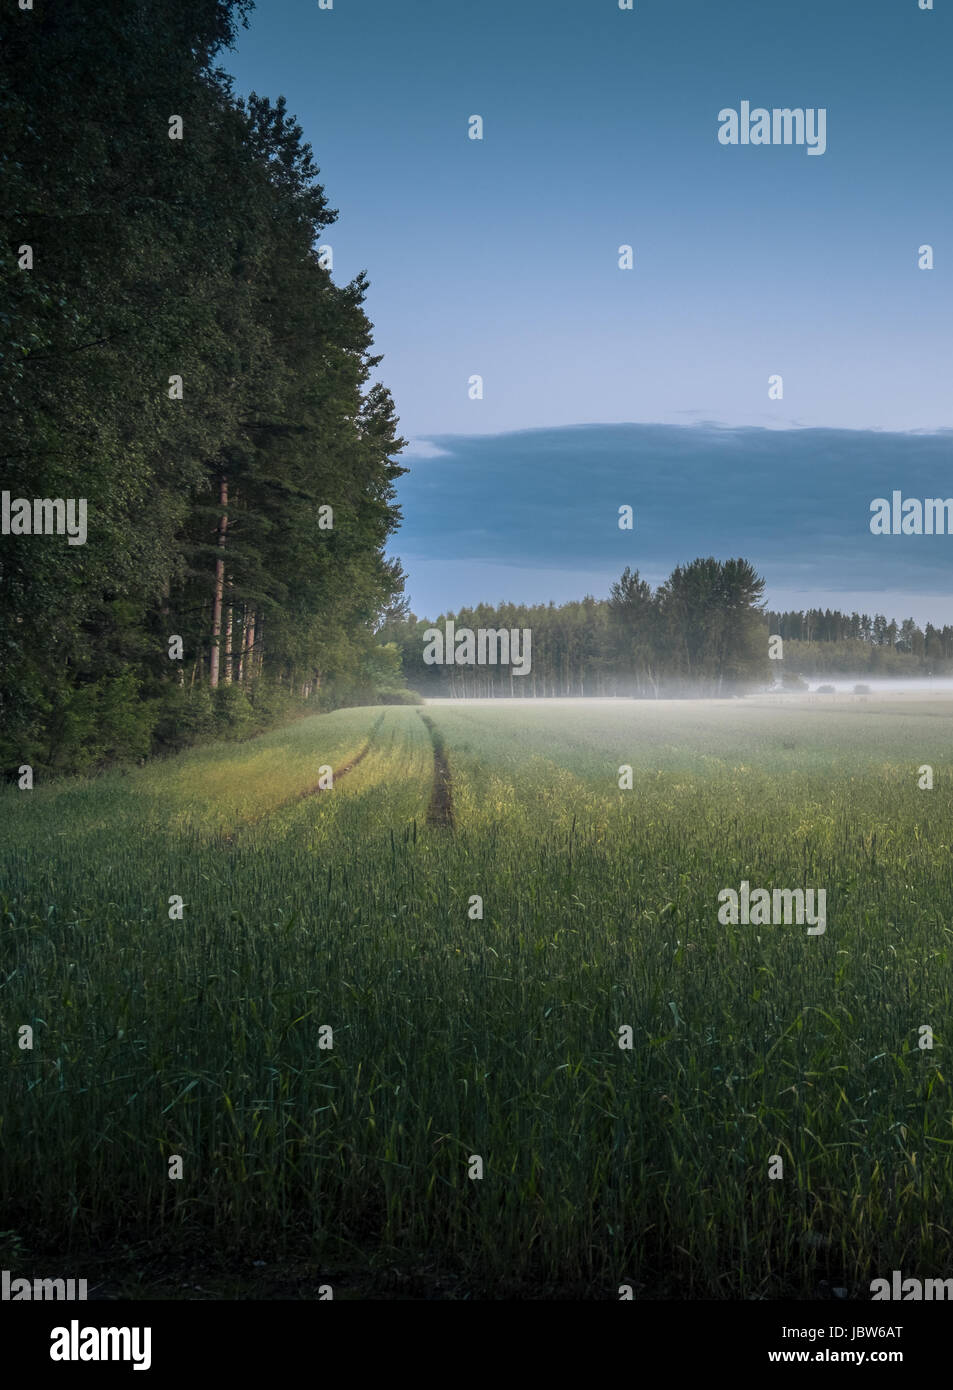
{"x":704,"y":631}
{"x":178,"y":354}
{"x":826,"y":625}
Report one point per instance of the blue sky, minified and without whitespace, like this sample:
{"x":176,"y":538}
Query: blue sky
{"x":500,"y":258}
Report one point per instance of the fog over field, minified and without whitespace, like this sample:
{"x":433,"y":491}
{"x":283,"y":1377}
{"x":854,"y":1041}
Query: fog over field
{"x":938,"y":687}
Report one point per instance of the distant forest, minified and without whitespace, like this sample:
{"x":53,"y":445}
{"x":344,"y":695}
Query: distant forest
{"x":704,"y":631}
{"x":178,"y":355}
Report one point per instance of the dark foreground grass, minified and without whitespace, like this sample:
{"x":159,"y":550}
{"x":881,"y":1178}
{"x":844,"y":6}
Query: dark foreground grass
{"x":456,"y":1037}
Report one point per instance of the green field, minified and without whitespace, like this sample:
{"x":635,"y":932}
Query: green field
{"x":455,"y":1037}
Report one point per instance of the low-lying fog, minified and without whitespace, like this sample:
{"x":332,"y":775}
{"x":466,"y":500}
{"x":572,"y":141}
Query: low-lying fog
{"x":842,"y":685}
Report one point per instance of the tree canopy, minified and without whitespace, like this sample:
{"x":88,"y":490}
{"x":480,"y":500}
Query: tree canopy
{"x":178,"y":354}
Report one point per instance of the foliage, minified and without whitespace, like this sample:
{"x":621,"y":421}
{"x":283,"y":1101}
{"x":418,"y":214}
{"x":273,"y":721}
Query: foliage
{"x":704,"y":631}
{"x":157,"y":258}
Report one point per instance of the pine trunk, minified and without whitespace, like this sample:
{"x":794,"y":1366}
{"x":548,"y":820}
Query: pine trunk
{"x":219,"y":586}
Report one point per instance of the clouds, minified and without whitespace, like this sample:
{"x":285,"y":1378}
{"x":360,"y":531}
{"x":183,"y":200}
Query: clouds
{"x":794,"y":502}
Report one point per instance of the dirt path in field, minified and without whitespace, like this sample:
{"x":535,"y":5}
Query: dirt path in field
{"x":339,"y":772}
{"x":440,"y":810}
{"x":316,"y":790}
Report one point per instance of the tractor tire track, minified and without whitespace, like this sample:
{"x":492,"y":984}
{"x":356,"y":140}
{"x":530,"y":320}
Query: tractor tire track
{"x":440,"y":810}
{"x":229,"y":836}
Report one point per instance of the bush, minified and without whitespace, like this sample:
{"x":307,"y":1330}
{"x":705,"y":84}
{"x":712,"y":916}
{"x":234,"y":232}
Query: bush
{"x":398,"y":697}
{"x":184,"y":717}
{"x":105,"y":721}
{"x":234,"y":715}
{"x":271,"y":703}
